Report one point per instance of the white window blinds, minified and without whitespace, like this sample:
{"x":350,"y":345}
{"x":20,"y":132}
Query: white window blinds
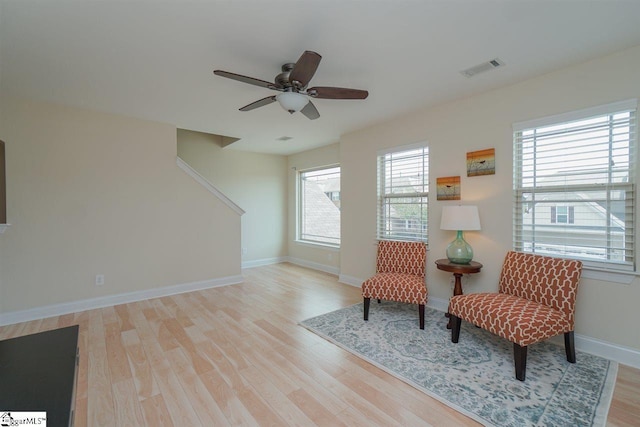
{"x":403,"y":190}
{"x":574,"y":186}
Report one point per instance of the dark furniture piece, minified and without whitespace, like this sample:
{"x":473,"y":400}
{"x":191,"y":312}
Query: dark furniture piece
{"x":458,"y":270}
{"x":38,"y":372}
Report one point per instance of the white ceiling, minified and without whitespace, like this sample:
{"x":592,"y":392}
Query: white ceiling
{"x":154,"y":59}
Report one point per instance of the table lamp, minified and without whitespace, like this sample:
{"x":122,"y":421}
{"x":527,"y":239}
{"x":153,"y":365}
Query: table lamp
{"x":460,"y":218}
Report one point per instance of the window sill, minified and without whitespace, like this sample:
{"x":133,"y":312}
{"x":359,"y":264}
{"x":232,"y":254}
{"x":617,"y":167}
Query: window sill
{"x":317,"y":244}
{"x":625,"y":278}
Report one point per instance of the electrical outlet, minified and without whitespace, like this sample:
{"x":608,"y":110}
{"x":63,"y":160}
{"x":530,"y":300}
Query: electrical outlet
{"x":244,"y":251}
{"x":99,"y":279}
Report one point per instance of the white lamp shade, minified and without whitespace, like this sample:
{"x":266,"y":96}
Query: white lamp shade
{"x":292,"y":101}
{"x":460,"y":218}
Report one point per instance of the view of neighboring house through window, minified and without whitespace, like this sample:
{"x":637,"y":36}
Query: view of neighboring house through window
{"x":562,"y":214}
{"x":403,"y":192}
{"x":319,"y":206}
{"x":574,"y":186}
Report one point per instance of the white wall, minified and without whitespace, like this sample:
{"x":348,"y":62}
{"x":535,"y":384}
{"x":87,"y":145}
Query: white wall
{"x":255,"y":182}
{"x":605,"y":310}
{"x":92,"y":193}
{"x":314,"y":256}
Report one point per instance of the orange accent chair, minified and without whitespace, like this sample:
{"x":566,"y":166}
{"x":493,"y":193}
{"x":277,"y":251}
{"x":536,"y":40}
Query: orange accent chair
{"x":535,"y":301}
{"x":400,"y":268}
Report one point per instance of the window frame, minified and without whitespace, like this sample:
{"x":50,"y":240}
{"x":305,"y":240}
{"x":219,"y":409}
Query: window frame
{"x":300,"y":217}
{"x":384,"y":202}
{"x":628,"y":264}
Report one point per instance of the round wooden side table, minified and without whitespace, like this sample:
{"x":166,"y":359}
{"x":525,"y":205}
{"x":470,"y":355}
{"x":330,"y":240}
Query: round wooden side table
{"x":458,"y":270}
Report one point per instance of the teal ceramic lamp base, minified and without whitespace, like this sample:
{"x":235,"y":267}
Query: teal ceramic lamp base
{"x":459,"y":251}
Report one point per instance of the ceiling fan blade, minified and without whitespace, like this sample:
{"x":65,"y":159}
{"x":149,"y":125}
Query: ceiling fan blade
{"x":259,"y":103}
{"x":305,"y":68}
{"x":244,"y":79}
{"x":310,"y":111}
{"x":336,"y":93}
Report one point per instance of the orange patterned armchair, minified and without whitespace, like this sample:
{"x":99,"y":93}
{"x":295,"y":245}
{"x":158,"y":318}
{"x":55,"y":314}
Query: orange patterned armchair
{"x":535,"y":301}
{"x":399,"y":276}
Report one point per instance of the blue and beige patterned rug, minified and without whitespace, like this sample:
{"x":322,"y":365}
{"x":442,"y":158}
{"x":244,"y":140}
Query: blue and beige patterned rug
{"x":475,"y":376}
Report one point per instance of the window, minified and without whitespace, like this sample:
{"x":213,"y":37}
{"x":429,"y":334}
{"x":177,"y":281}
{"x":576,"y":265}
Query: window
{"x":403,"y":192}
{"x":319,"y":206}
{"x":574,"y":186}
{"x":562,"y":214}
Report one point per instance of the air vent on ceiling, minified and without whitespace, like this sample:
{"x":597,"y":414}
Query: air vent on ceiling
{"x":481,"y":68}
{"x":284,"y":138}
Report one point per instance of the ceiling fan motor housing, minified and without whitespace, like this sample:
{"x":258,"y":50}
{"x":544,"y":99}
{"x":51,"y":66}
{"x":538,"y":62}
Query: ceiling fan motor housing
{"x":282,"y":79}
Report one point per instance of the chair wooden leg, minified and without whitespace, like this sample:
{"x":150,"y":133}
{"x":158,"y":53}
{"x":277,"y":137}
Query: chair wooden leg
{"x":569,"y":347}
{"x":520,"y":358}
{"x":421,"y":314}
{"x":455,"y":328}
{"x":367,"y":302}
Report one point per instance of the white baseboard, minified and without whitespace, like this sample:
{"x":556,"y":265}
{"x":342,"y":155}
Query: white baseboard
{"x":438,"y":304}
{"x":621,"y":354}
{"x":262,"y":262}
{"x":350,"y":280}
{"x":297,"y":261}
{"x":314,"y":265}
{"x":110,"y":300}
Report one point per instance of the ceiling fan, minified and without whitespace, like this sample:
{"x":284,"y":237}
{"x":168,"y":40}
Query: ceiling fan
{"x":292,"y":82}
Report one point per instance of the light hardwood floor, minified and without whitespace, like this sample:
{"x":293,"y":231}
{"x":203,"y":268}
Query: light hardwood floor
{"x":235,"y":355}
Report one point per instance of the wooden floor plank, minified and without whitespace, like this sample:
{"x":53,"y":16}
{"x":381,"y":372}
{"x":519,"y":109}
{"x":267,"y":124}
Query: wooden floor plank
{"x":100,"y":404}
{"x":143,"y":378}
{"x":156,"y":413}
{"x":203,"y":403}
{"x":315,"y":410}
{"x":273,"y":395}
{"x":236,"y":355}
{"x":127,"y":409}
{"x":176,"y":400}
{"x":235,"y":411}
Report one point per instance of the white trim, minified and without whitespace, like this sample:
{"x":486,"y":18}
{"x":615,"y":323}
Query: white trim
{"x":438,"y":304}
{"x":350,"y":280}
{"x":311,"y":244}
{"x":614,"y":107}
{"x":206,"y":184}
{"x":262,"y":262}
{"x":297,"y":261}
{"x":110,"y":300}
{"x":318,"y":168}
{"x":621,"y":354}
{"x":625,"y":278}
{"x":314,"y":265}
{"x":400,"y":148}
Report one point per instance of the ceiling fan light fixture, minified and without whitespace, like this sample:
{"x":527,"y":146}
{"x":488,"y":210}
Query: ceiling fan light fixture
{"x":292,"y":101}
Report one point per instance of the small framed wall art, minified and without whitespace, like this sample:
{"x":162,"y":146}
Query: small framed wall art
{"x":448,"y":188}
{"x":482,"y":162}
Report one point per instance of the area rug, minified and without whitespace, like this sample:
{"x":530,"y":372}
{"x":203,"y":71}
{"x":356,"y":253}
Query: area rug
{"x":475,"y":376}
